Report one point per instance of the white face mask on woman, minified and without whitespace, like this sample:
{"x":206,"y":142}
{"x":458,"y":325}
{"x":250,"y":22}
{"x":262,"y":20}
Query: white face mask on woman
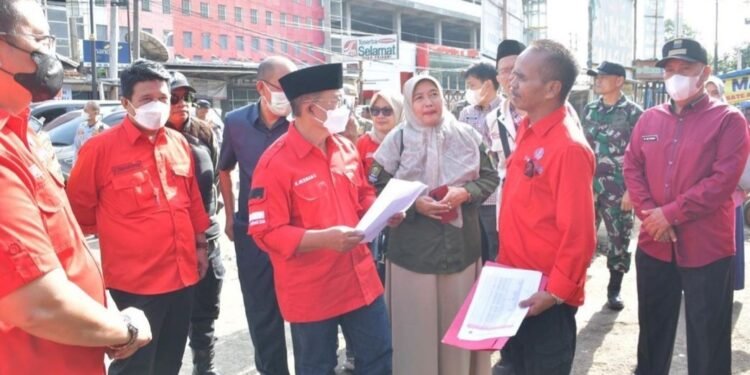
{"x":152,"y":116}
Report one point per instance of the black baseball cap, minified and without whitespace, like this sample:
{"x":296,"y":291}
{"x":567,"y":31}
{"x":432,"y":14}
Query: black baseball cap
{"x":179,"y":80}
{"x":202,"y":103}
{"x":607,"y":68}
{"x":683,"y":49}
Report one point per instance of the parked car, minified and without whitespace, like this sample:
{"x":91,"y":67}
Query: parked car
{"x":49,"y":110}
{"x":63,"y":135}
{"x":35,"y":124}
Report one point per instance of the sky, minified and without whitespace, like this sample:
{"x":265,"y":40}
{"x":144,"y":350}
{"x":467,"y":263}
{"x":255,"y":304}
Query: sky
{"x":700,"y":15}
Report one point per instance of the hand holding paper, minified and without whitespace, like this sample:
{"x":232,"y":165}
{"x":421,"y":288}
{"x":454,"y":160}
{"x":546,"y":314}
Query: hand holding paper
{"x":396,"y":198}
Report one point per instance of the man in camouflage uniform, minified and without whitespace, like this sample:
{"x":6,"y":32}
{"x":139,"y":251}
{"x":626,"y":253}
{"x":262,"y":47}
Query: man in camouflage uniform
{"x":608,"y":124}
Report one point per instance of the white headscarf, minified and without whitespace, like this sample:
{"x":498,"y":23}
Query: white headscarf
{"x":719,"y":86}
{"x":446,"y":154}
{"x":396,"y":101}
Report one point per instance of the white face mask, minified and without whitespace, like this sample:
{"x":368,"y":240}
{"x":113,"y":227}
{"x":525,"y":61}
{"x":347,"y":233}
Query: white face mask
{"x":472,"y":97}
{"x":336,"y":119}
{"x":681,"y":87}
{"x":152,"y":116}
{"x":279,"y":104}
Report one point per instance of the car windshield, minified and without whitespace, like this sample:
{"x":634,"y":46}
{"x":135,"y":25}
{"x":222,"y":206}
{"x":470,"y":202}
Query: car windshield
{"x":65,"y":134}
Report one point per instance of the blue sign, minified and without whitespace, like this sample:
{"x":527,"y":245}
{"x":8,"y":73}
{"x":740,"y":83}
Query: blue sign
{"x":102,"y":52}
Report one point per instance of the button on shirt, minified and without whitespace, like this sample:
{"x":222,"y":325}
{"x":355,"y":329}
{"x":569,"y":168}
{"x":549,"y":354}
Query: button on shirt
{"x":143,"y":201}
{"x":245,"y":139}
{"x":38,"y":234}
{"x":547,"y":214}
{"x":476,"y":116}
{"x":295,"y":188}
{"x":689,"y":165}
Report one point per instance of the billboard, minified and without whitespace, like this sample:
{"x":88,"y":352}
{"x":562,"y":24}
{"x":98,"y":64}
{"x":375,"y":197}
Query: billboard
{"x":102,"y":53}
{"x":374,"y":48}
{"x":737,"y":86}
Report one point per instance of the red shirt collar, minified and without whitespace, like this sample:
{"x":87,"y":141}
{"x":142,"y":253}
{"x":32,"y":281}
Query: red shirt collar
{"x":300,"y":145}
{"x":544,"y":125}
{"x":132,"y":132}
{"x":18,"y":124}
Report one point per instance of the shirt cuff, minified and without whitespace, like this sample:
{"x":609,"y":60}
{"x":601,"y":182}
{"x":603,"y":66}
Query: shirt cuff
{"x":201,"y":223}
{"x":474,"y":191}
{"x":560,"y":285}
{"x":672,"y":213}
{"x":282,"y":241}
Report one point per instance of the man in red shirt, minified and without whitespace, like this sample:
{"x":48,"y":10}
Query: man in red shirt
{"x":547,"y":211}
{"x":308,"y":193}
{"x":683,"y":163}
{"x":135,"y":187}
{"x":53,"y":318}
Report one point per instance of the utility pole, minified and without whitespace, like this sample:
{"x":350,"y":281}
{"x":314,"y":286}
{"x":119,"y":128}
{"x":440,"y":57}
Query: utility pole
{"x":136,"y":33}
{"x":130,"y":38}
{"x":716,"y":41}
{"x":656,"y":28}
{"x":92,"y":38}
{"x":635,"y":30}
{"x":114,"y":45}
{"x":590,"y":54}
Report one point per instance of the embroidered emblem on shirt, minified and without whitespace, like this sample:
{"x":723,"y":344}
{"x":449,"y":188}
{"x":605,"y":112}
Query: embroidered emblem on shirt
{"x":305,"y":180}
{"x":650,"y":138}
{"x":257,"y":193}
{"x":127,"y":167}
{"x":532,"y":167}
{"x":374,"y":173}
{"x":256,"y":218}
{"x":539,"y":153}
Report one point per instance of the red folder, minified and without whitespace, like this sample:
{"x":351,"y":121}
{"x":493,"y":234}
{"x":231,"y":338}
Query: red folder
{"x":451,"y":336}
{"x":438,"y":194}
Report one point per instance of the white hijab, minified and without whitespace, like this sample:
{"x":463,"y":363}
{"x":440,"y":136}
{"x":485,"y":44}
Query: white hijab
{"x":446,"y":154}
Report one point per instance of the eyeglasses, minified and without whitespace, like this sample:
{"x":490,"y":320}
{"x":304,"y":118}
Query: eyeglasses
{"x":189,"y":98}
{"x":47,"y":41}
{"x":272,"y":85}
{"x":376,"y":111}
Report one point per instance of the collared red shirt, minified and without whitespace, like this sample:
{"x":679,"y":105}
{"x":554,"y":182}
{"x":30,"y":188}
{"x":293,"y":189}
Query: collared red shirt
{"x":38,"y":234}
{"x":143,"y":201}
{"x":366,"y":147}
{"x":547,"y":214}
{"x":295,"y":188}
{"x":689,"y":165}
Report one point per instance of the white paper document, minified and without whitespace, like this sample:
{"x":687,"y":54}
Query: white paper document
{"x":397,"y":196}
{"x":494,"y":310}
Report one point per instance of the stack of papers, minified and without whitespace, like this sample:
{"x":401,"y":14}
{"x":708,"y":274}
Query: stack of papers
{"x":397,"y":196}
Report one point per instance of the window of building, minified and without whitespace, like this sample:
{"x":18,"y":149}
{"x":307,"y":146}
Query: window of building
{"x":237,"y":14}
{"x":122,"y":33}
{"x":222,"y":12}
{"x":269,"y":18}
{"x":187,"y":39}
{"x":206,"y":40}
{"x":148,"y":31}
{"x":297,"y":49}
{"x":295,"y":21}
{"x":185,"y":7}
{"x":269,"y":45}
{"x":101,"y":32}
{"x":284,"y":46}
{"x":99,"y":3}
{"x":254,"y":16}
{"x":256,"y":44}
{"x":166,"y":7}
{"x":204,"y":10}
{"x":282,"y":19}
{"x":239,"y":43}
{"x":146,"y":5}
{"x":309,"y":3}
{"x":198,"y":58}
{"x":223,"y":42}
{"x":309,"y":23}
{"x":169,"y":38}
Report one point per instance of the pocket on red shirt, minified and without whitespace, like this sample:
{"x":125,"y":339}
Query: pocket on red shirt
{"x":133,"y":192}
{"x":310,"y":205}
{"x":59,"y":228}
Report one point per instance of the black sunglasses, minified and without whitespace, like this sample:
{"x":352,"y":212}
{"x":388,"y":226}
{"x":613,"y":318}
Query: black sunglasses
{"x":189,"y":98}
{"x":386,"y":111}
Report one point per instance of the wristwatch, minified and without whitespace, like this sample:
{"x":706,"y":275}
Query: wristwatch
{"x":132,"y":333}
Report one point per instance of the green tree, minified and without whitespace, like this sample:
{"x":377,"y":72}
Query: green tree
{"x":670,"y":31}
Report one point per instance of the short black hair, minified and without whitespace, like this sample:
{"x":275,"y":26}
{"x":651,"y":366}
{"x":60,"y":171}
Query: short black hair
{"x":560,"y":65}
{"x":141,"y":71}
{"x":483,"y":72}
{"x":9,"y":15}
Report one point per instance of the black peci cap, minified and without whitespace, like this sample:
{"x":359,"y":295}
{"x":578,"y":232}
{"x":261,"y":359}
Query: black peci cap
{"x":683,"y":49}
{"x":313,"y":79}
{"x":607,"y":68}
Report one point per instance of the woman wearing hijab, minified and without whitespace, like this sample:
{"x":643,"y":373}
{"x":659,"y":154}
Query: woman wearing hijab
{"x":434,"y":256}
{"x":386,"y":109}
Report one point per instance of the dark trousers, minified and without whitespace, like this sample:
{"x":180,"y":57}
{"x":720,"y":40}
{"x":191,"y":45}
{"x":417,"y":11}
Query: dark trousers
{"x":544,"y":345}
{"x":708,"y":314}
{"x":739,"y":258}
{"x":368,"y":332}
{"x":488,"y":224}
{"x":206,"y":303}
{"x":169,"y":330}
{"x":261,"y":307}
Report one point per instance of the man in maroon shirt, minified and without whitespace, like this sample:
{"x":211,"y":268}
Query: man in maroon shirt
{"x":683,"y":163}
